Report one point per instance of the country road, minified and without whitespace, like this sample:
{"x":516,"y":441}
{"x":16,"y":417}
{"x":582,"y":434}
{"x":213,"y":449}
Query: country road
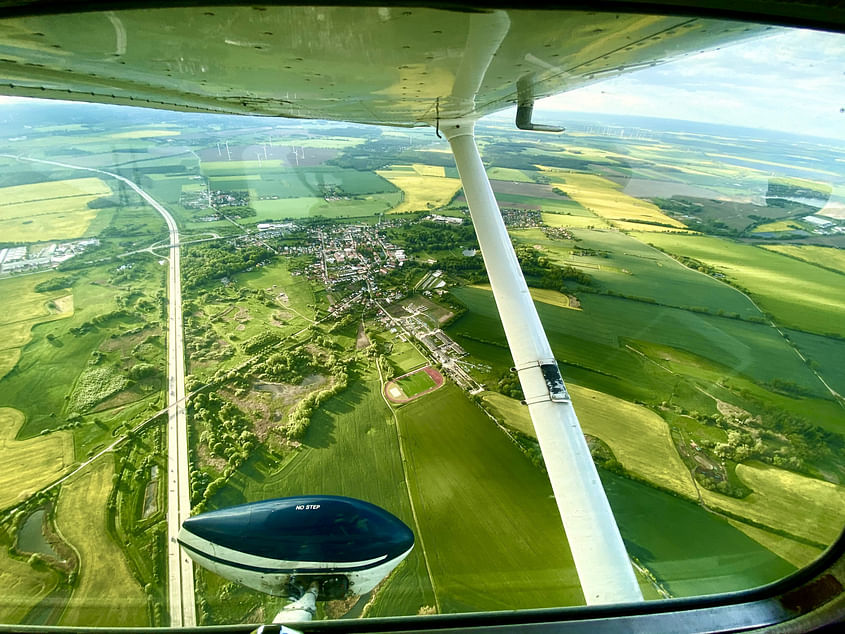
{"x":180,"y":567}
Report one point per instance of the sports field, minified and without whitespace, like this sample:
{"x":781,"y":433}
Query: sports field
{"x":53,"y":210}
{"x":421,"y":192}
{"x":410,"y":386}
{"x":106,"y":594}
{"x":28,"y":465}
{"x":415,"y":383}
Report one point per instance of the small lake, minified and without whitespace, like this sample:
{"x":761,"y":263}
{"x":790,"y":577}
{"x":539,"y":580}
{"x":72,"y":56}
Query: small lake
{"x":31,"y":536}
{"x":689,"y":550}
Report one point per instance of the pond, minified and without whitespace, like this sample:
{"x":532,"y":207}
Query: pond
{"x":31,"y":536}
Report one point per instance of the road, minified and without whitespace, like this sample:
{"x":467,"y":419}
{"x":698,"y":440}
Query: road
{"x":179,"y":565}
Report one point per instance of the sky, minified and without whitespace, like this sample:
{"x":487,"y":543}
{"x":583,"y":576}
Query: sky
{"x":791,"y":81}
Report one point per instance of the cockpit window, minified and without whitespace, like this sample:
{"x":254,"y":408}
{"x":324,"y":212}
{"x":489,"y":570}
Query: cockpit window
{"x":201,"y":311}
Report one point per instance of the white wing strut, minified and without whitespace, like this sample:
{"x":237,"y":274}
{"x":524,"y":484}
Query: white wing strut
{"x":601,"y":560}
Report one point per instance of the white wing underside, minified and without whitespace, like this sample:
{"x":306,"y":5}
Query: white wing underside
{"x":391,"y":66}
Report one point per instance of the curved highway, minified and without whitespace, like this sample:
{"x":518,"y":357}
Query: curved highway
{"x":180,"y":568}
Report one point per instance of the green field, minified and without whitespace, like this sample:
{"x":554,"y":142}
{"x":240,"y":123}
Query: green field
{"x":777,"y":495}
{"x":692,"y":552}
{"x":508,"y":174}
{"x":491,"y":528}
{"x":295,"y":182}
{"x":626,"y":266}
{"x":305,"y":207}
{"x":799,"y":295}
{"x":680,"y":549}
{"x":96,"y":335}
{"x":404,"y":355}
{"x":106,"y":594}
{"x":639,"y":438}
{"x":826,"y":257}
{"x":796,"y":553}
{"x":415,"y":383}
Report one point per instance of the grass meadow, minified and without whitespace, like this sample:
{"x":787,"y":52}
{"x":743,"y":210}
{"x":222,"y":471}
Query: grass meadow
{"x":28,"y":465}
{"x":22,"y":586}
{"x":24,"y":308}
{"x":106,"y":593}
{"x":56,"y":358}
{"x":52,"y":210}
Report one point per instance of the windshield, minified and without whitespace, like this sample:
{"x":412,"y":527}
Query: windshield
{"x":204,"y":311}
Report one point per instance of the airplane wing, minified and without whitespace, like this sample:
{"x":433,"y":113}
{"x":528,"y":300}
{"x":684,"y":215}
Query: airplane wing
{"x":400,"y":66}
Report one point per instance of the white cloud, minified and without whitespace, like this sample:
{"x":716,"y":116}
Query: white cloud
{"x":792,"y":80}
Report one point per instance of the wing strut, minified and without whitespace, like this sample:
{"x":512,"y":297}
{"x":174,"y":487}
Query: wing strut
{"x":602,"y":563}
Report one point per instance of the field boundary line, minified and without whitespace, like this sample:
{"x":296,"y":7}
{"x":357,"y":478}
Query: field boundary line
{"x":408,"y":487}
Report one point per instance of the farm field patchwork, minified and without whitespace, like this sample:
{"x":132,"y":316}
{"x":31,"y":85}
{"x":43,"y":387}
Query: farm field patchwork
{"x":796,"y":553}
{"x":594,"y":338}
{"x":629,"y":268}
{"x":545,"y":295}
{"x":306,"y":207}
{"x":28,"y":465}
{"x":53,"y":210}
{"x":106,"y":593}
{"x":690,"y":551}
